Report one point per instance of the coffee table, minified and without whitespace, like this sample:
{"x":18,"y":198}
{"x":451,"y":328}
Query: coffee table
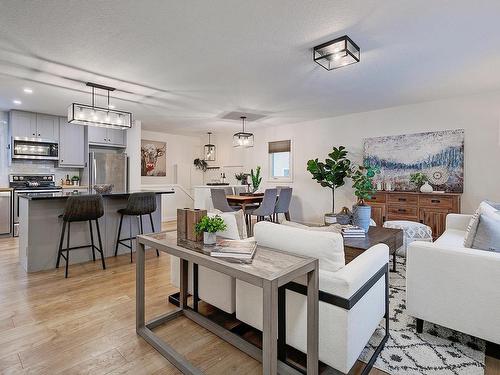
{"x":393,"y":238}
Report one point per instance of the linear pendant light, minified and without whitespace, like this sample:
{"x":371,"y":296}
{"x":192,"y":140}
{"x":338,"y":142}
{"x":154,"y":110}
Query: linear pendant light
{"x":83,"y":114}
{"x":243,"y":139}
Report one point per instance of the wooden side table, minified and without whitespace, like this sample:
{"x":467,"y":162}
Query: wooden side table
{"x":391,"y":237}
{"x":270,"y":270}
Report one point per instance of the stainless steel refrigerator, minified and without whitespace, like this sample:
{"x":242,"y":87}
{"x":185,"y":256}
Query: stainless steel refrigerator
{"x":109,"y":168}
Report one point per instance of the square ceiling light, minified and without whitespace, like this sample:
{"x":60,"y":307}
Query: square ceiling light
{"x":336,"y":53}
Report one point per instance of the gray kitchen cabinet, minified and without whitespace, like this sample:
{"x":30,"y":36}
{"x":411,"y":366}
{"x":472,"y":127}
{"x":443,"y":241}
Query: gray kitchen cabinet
{"x":71,"y":144}
{"x":34,"y":125}
{"x":47,"y":127}
{"x":106,"y":137}
{"x":22,"y":124}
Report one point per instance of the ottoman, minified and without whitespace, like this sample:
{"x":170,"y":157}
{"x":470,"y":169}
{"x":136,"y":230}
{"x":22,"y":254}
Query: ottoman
{"x":413,"y":231}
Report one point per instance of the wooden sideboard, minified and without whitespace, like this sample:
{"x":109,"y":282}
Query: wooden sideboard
{"x":427,"y":208}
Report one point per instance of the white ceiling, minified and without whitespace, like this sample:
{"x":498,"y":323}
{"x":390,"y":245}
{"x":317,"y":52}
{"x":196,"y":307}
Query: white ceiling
{"x":181,"y":65}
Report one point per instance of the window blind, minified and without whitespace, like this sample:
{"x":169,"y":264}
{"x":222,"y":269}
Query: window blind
{"x":279,"y":146}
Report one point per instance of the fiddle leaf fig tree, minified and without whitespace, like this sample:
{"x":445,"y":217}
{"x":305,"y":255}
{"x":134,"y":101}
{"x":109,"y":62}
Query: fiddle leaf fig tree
{"x":332,"y":172}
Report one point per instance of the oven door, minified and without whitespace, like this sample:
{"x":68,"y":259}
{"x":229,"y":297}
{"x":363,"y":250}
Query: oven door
{"x":15,"y":206}
{"x":34,"y":148}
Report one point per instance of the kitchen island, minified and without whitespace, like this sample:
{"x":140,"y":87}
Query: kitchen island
{"x":40,"y":227}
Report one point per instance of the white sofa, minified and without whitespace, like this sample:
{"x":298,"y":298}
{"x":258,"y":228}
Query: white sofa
{"x":454,"y":286}
{"x":213,"y":287}
{"x":343,"y":333}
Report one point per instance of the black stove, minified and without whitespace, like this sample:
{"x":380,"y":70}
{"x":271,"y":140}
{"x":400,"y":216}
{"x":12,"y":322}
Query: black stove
{"x":32,"y":182}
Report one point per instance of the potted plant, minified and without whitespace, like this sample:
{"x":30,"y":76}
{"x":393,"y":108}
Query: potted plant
{"x":75,"y":180}
{"x":331,"y":174}
{"x":421,"y":181}
{"x":209,"y":226}
{"x":200,"y":164}
{"x":362,"y":178}
{"x":256,"y":179}
{"x":241,"y":177}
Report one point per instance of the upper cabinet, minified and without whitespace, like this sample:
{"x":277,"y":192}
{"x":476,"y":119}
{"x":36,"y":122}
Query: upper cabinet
{"x":71,"y":144}
{"x":107,"y":137}
{"x":34,"y":125}
{"x":47,"y":127}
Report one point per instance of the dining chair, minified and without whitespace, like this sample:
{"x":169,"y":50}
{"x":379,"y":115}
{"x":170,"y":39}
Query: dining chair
{"x":283,"y":203}
{"x":240,"y":189}
{"x":266,"y":208}
{"x":219,"y":200}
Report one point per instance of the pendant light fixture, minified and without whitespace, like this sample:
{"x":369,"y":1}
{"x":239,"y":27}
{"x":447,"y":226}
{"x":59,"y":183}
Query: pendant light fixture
{"x":243,"y":139}
{"x":209,"y":150}
{"x":83,"y":114}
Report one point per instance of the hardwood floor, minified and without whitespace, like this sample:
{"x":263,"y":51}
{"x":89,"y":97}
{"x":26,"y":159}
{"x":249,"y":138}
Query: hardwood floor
{"x":86,"y":324}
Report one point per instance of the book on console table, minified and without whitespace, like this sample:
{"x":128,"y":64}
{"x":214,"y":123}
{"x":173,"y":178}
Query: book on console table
{"x":352,"y":231}
{"x":234,"y":249}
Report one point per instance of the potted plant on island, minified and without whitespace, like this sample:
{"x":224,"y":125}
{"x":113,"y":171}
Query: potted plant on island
{"x":362,"y":178}
{"x":241,"y":177}
{"x":209,"y":226}
{"x":421,"y":181}
{"x":256,"y":179}
{"x":331,"y":174}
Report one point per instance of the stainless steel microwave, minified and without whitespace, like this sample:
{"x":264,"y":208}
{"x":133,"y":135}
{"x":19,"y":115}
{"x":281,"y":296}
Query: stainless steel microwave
{"x":34,"y":149}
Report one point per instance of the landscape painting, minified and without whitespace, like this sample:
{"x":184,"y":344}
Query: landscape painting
{"x":153,"y":158}
{"x":439,"y":155}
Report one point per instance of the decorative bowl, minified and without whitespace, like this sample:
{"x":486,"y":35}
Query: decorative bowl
{"x":103,"y":188}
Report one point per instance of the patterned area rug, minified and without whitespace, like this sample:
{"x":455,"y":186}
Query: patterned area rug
{"x":437,"y":351}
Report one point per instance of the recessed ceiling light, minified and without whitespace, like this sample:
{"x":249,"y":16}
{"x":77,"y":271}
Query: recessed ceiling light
{"x":28,"y":90}
{"x":17,"y":102}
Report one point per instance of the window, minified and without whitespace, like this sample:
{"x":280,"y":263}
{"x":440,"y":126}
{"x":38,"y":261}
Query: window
{"x":280,"y":160}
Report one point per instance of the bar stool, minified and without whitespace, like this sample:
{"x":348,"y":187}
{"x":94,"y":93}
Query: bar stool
{"x":138,"y":204}
{"x":77,"y":209}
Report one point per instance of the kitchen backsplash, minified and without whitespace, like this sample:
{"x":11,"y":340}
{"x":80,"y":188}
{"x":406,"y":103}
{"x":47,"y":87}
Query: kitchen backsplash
{"x":43,"y":167}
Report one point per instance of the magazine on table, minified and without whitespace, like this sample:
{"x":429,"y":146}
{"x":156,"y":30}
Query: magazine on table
{"x":234,"y":249}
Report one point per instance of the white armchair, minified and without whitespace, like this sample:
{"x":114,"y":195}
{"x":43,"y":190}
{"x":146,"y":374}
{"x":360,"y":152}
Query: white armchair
{"x":454,"y":286}
{"x":353,"y":297}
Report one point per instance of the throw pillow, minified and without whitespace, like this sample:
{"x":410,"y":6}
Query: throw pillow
{"x":485,"y":207}
{"x":488,"y":233}
{"x":235,"y":221}
{"x":334,"y":228}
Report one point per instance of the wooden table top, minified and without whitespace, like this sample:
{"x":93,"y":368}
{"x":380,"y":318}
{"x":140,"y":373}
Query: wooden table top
{"x":268,"y":264}
{"x":391,"y":237}
{"x":244,"y":198}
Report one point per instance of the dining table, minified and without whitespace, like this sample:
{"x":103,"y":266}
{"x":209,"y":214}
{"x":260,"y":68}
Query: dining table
{"x":244,"y":200}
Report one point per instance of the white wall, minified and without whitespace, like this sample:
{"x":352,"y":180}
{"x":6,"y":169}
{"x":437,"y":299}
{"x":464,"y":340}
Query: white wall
{"x":479,"y":115}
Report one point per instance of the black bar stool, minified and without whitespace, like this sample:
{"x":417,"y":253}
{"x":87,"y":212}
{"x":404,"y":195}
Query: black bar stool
{"x":138,"y":204}
{"x":81,"y":208}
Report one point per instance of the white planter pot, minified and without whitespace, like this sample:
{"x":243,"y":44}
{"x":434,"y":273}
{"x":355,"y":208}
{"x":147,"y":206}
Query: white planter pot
{"x":426,"y":188}
{"x":209,"y":238}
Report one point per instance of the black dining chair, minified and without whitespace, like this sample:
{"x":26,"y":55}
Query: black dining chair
{"x":81,"y":208}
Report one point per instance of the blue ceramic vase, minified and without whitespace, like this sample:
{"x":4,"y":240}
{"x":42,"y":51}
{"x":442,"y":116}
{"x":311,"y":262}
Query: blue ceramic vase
{"x":361,"y":216}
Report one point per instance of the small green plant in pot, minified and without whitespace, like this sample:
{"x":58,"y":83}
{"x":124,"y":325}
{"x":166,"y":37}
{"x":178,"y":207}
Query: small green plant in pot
{"x":331,"y":174}
{"x":362,"y":178}
{"x":241,"y":177}
{"x":209,"y":226}
{"x":200,"y":164}
{"x":256,"y":179}
{"x":421,"y":181}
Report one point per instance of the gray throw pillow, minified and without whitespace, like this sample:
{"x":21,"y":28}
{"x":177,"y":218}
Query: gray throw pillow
{"x":486,"y":207}
{"x":488,"y":233}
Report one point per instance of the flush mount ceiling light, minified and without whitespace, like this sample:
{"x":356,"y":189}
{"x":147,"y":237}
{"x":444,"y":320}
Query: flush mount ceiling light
{"x":83,"y":114}
{"x":243,"y":139}
{"x":336,"y":53}
{"x":209,"y":150}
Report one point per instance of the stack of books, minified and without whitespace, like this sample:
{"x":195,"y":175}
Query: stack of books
{"x":352,"y":231}
{"x":234,"y":249}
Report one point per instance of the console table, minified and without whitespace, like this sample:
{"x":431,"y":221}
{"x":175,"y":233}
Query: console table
{"x":427,"y":208}
{"x":270,"y":270}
